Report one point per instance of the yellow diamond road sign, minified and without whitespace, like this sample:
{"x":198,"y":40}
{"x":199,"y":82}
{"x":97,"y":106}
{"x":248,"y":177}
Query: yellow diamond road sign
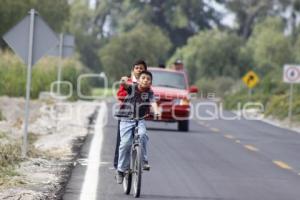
{"x":251,"y":79}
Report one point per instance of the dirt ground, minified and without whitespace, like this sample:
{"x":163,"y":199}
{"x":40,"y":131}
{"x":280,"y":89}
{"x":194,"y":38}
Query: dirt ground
{"x":59,"y":128}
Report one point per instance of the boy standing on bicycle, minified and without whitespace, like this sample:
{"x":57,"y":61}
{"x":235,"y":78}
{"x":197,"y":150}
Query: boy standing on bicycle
{"x":136,"y":105}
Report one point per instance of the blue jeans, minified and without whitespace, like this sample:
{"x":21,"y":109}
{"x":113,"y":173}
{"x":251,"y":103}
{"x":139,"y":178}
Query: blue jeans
{"x":126,"y":128}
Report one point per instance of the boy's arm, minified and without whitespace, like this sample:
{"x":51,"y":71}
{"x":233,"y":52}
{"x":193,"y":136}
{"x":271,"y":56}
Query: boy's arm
{"x":154,"y":105}
{"x":122,"y":93}
{"x":155,"y":108}
{"x":157,"y":113}
{"x":124,"y":82}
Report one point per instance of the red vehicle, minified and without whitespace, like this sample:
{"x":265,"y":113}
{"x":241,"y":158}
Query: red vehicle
{"x":172,"y":91}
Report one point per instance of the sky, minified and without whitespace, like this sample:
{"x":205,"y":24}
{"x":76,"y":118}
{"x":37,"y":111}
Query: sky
{"x":229,"y":17}
{"x":92,"y":3}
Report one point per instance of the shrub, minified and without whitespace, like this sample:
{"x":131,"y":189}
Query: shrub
{"x":10,"y":157}
{"x":231,"y":101}
{"x":219,"y":86}
{"x":279,"y":106}
{"x":13,"y":75}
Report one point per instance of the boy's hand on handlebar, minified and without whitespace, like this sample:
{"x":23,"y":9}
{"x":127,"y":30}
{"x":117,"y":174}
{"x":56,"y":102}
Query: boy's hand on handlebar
{"x":157,"y":115}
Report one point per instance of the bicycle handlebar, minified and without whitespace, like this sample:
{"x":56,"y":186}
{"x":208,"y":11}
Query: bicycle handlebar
{"x":134,"y":118}
{"x":151,"y":115}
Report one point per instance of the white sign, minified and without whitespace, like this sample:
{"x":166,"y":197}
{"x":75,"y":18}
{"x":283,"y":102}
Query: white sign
{"x":291,"y":74}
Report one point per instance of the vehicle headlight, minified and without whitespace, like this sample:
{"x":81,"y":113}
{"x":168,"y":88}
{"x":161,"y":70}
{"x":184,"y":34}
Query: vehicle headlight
{"x":185,"y":102}
{"x":181,"y":101}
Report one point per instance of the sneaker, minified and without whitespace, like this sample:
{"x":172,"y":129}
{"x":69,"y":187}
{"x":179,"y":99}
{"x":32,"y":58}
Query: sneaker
{"x":146,"y":166}
{"x":120,"y":177}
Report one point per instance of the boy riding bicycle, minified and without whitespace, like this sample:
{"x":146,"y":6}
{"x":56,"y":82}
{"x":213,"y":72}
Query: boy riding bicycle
{"x":137,"y":68}
{"x":136,"y":105}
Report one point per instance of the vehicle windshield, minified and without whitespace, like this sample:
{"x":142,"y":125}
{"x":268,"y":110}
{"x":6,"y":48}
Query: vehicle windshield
{"x":168,"y":79}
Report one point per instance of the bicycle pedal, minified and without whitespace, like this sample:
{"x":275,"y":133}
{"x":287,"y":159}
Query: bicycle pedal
{"x":146,"y":168}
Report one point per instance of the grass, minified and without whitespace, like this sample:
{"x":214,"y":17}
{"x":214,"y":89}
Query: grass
{"x":10,"y":158}
{"x":276,"y":105}
{"x":102,"y":92}
{"x":1,"y":116}
{"x":2,"y":135}
{"x":9,"y":177}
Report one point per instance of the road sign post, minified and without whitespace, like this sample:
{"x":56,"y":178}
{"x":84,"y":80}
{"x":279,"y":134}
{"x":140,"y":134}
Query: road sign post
{"x":31,"y":38}
{"x":290,"y":114}
{"x":28,"y":83}
{"x":61,"y":39}
{"x":249,"y":93}
{"x":291,"y":75}
{"x":64,"y":49}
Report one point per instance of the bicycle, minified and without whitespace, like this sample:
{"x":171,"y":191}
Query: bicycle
{"x":133,"y":176}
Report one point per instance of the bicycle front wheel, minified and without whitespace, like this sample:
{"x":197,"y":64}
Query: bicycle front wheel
{"x":127,"y":183}
{"x":137,"y":171}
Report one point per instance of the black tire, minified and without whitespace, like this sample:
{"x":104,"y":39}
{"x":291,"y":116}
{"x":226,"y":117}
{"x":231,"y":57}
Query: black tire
{"x":183,"y":125}
{"x":137,"y":172}
{"x":127,"y":183}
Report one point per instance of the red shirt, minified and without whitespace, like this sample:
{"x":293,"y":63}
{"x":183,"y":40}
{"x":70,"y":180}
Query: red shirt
{"x":122,"y":93}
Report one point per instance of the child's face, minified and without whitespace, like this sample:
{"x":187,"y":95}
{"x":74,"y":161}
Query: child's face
{"x":137,"y":70}
{"x":145,"y":81}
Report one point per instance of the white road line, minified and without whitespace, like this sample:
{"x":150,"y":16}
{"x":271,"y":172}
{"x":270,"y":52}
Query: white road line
{"x":91,"y":179}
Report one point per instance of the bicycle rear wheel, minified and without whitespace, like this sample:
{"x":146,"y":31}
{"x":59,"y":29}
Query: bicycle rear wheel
{"x":137,"y":171}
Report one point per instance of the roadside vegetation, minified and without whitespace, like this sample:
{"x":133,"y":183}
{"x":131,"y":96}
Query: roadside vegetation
{"x":1,"y":118}
{"x":13,"y":76}
{"x":10,"y":158}
{"x":222,"y":59}
{"x":102,"y":92}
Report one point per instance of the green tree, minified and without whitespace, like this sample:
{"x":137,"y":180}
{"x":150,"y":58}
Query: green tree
{"x":87,"y":41}
{"x":296,"y":50}
{"x":144,"y":41}
{"x":249,"y":12}
{"x":210,"y":54}
{"x":55,"y":13}
{"x":179,"y":19}
{"x":270,"y":48}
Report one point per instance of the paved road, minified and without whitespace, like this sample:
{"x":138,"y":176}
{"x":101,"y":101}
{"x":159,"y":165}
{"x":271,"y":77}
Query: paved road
{"x":216,"y":160}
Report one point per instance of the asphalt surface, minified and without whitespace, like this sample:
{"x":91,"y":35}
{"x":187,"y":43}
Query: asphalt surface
{"x":216,"y":160}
